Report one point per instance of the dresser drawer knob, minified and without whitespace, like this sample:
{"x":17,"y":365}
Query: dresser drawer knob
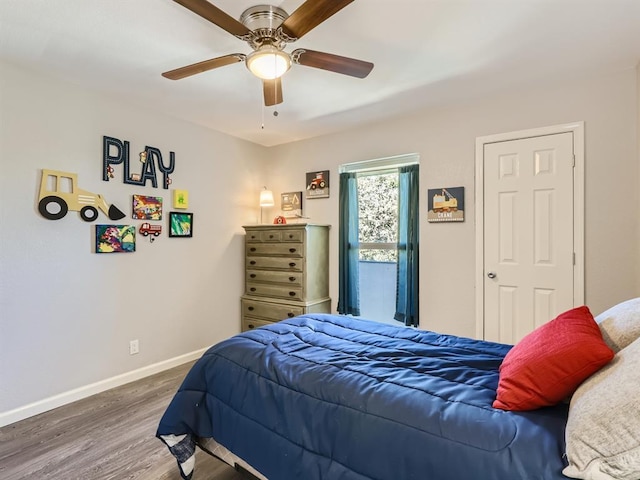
{"x":251,"y":309}
{"x":270,"y":236}
{"x":292,"y":250}
{"x":253,"y":289}
{"x":291,"y":315}
{"x":292,"y":264}
{"x":292,"y":294}
{"x":253,"y":275}
{"x":251,"y":326}
{"x":292,"y":279}
{"x":252,"y":262}
{"x":252,"y":249}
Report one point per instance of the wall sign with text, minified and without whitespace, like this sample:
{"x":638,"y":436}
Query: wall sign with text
{"x":291,"y":204}
{"x":445,"y":204}
{"x":318,"y":184}
{"x":116,"y":152}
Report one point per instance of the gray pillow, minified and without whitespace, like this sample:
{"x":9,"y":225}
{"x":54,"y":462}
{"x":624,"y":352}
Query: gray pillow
{"x":620,"y":325}
{"x":603,"y":429}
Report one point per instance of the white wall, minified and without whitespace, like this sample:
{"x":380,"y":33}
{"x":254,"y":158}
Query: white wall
{"x":67,"y":314}
{"x":445,"y":141}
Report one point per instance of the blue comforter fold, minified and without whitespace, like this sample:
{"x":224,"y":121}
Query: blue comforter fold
{"x":331,"y":397}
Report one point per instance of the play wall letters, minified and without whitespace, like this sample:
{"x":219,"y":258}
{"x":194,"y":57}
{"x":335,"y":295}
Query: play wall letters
{"x":116,"y":151}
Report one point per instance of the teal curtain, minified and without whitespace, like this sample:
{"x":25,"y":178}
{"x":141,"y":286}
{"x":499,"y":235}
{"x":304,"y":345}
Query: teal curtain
{"x":407,"y":268}
{"x":348,"y":251}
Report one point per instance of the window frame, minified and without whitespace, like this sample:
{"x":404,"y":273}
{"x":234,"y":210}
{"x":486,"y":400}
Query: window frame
{"x":380,"y":163}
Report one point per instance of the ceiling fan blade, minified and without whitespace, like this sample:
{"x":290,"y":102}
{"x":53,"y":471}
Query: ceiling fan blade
{"x":215,"y":15}
{"x":333,"y":63}
{"x":311,"y":14}
{"x":204,"y":66}
{"x":272,"y":90}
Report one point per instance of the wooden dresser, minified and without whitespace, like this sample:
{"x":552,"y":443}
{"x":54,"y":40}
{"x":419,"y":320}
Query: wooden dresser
{"x":286,"y":272}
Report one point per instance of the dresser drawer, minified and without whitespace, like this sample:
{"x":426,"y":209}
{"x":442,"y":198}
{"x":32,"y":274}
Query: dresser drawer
{"x":284,"y":249}
{"x":292,"y":235}
{"x":267,"y":276}
{"x":276,"y":263}
{"x":253,"y":236}
{"x":253,"y":323}
{"x":275,"y":235}
{"x":270,"y":236}
{"x":269,"y":311}
{"x":275,"y":291}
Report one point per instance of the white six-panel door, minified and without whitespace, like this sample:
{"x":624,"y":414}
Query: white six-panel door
{"x":528,"y":234}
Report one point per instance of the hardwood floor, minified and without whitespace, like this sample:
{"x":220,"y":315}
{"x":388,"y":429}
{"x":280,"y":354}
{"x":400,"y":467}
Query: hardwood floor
{"x":107,"y":436}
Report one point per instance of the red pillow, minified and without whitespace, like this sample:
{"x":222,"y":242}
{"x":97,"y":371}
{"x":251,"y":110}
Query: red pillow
{"x":549,"y":364}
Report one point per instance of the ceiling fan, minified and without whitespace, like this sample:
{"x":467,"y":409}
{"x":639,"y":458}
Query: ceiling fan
{"x":267,"y":30}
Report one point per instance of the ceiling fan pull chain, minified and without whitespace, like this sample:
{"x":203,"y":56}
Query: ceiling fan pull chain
{"x":275,"y":95}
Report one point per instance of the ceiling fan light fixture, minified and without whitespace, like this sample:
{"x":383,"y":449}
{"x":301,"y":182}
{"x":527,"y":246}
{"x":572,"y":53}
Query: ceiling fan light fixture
{"x":268,"y":62}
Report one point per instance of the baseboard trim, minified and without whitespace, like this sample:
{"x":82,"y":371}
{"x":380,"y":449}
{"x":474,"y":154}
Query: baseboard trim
{"x":41,"y":406}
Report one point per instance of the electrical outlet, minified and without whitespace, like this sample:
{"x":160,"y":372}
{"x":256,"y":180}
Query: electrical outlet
{"x":134,"y":347}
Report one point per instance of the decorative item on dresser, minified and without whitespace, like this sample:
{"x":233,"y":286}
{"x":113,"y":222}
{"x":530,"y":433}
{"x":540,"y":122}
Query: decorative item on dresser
{"x":287,"y":272}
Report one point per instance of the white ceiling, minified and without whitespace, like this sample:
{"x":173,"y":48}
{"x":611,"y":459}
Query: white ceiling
{"x":427,"y":53}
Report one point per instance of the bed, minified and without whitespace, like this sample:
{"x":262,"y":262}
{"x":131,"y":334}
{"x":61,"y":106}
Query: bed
{"x":332,"y":397}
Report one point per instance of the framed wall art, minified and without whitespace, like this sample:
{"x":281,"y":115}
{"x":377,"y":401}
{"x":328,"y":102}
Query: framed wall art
{"x":180,"y":224}
{"x":291,"y":204}
{"x":318,"y":184}
{"x":181,"y":199}
{"x":115,"y":238}
{"x":147,"y":208}
{"x":445,"y":204}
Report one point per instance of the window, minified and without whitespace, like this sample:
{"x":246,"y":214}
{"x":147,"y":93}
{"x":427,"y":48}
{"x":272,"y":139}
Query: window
{"x":378,"y":239}
{"x":378,"y":215}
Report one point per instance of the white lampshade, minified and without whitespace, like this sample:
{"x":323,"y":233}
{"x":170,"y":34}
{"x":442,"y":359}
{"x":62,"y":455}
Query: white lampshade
{"x":268,"y":62}
{"x":266,"y":198}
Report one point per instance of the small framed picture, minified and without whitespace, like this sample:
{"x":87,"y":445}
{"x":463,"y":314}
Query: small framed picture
{"x":115,"y":238}
{"x":291,"y":204}
{"x":180,"y":224}
{"x":181,"y":199}
{"x":318,"y":184}
{"x":147,"y":208}
{"x":445,"y":204}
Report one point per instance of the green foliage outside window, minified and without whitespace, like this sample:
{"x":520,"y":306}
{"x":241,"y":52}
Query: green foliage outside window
{"x":378,"y":212}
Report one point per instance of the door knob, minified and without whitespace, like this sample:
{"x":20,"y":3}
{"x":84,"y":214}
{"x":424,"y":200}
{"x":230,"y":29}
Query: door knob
{"x":491,"y":275}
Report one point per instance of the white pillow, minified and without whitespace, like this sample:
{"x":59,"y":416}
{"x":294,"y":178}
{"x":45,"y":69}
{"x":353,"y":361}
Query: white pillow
{"x":620,"y":325}
{"x":603,"y":429}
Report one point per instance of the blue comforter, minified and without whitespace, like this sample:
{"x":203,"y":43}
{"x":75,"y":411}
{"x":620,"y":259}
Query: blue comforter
{"x":336,"y":398}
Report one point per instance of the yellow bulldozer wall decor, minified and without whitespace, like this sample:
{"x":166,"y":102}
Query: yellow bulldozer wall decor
{"x":59,"y":193}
